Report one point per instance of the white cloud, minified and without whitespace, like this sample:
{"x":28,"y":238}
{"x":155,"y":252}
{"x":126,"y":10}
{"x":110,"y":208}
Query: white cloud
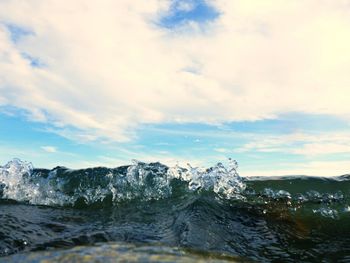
{"x":312,"y":149}
{"x":49,"y":149}
{"x":222,"y":150}
{"x":185,"y":6}
{"x":315,"y":168}
{"x":109,"y":68}
{"x":308,"y":144}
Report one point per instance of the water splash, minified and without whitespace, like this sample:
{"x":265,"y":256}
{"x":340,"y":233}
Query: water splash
{"x":19,"y":182}
{"x":145,"y":181}
{"x":224,"y":181}
{"x":12,"y":180}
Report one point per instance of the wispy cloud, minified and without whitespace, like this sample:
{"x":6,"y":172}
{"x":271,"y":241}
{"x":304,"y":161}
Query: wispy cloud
{"x":49,"y":149}
{"x":186,"y":5}
{"x":308,"y":144}
{"x":312,"y":168}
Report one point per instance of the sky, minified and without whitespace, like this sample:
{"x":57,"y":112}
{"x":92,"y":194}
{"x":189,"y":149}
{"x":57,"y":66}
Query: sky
{"x":98,"y":83}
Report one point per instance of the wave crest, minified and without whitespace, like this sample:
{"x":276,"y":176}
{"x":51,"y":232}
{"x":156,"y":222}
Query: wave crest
{"x":60,"y":186}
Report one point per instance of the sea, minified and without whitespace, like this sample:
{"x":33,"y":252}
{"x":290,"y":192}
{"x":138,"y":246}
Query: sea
{"x":149,"y":212}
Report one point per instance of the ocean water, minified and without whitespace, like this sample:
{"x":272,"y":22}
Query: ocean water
{"x":149,"y":212}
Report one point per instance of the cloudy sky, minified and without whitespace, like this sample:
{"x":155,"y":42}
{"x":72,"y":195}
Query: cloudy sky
{"x":100,"y":82}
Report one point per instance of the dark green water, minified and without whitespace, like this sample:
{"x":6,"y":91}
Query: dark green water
{"x":155,"y":213}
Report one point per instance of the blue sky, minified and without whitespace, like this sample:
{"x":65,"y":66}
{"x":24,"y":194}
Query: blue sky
{"x":201,"y":144}
{"x":181,"y":12}
{"x":183,"y":81}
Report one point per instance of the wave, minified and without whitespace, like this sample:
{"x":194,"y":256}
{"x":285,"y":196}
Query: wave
{"x":61,"y":186}
{"x":281,"y":219}
{"x":101,"y":186}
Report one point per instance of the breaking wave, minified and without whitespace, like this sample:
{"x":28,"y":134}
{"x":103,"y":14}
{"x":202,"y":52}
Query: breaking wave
{"x":213,"y":210}
{"x":61,"y":186}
